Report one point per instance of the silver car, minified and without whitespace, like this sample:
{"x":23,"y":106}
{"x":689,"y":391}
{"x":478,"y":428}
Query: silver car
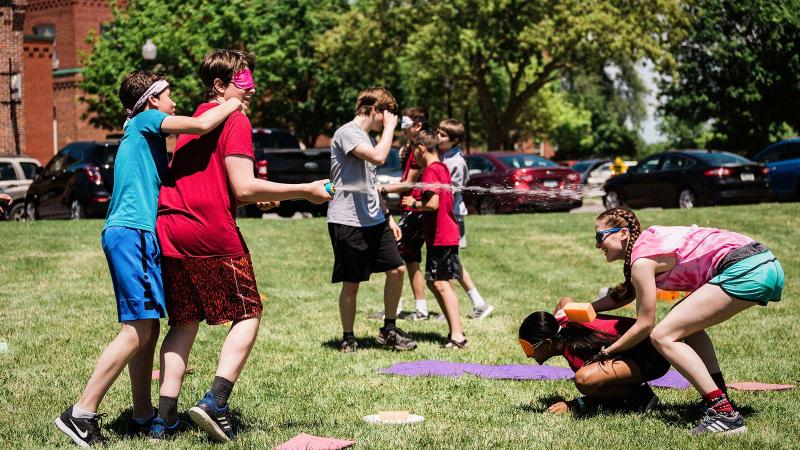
{"x":16,"y":174}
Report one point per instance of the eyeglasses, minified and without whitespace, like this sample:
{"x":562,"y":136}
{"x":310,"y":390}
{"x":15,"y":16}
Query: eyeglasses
{"x":600,"y":236}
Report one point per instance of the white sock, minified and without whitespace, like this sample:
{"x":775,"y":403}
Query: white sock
{"x":477,"y":300}
{"x":422,"y":306}
{"x":399,"y":306}
{"x":80,"y":413}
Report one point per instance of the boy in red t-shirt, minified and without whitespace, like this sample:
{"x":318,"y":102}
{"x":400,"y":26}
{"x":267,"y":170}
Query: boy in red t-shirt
{"x":208,"y":273}
{"x":441,"y":232}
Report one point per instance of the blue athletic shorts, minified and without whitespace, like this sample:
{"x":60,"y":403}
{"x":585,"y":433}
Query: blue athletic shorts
{"x":758,"y":278}
{"x":134,"y":260}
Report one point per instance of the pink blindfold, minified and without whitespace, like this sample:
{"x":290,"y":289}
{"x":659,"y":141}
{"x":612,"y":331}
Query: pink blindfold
{"x":243,"y":79}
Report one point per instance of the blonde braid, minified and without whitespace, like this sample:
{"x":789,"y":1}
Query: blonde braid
{"x":624,"y":218}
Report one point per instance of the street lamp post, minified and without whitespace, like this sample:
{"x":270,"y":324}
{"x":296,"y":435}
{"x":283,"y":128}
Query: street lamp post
{"x":149,"y":50}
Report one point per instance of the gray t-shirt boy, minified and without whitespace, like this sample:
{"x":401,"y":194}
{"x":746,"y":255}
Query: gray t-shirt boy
{"x":356,"y":202}
{"x":459,"y":175}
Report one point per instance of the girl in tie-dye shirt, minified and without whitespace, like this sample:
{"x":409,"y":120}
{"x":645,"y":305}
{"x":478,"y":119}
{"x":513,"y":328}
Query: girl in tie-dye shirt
{"x":727,"y":272}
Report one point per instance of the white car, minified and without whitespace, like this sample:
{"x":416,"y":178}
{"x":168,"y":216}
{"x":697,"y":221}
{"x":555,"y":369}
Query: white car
{"x":599,"y":176}
{"x":16,"y":174}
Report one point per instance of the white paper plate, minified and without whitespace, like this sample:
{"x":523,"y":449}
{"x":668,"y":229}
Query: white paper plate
{"x":412,"y":418}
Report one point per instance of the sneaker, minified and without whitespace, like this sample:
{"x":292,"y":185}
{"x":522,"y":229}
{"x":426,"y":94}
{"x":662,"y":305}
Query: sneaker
{"x":348,"y":346}
{"x":212,"y":419}
{"x":417,"y":316}
{"x":159,"y":429}
{"x":397,"y":339}
{"x":481,"y":313}
{"x":723,"y":423}
{"x":135,"y":427}
{"x":455,"y":345}
{"x":642,"y":399}
{"x":84,"y":432}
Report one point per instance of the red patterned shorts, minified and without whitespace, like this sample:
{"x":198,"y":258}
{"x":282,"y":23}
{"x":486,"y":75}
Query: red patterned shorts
{"x":218,"y":290}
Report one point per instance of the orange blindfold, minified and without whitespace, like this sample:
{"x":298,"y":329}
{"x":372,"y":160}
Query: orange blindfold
{"x":527,"y":347}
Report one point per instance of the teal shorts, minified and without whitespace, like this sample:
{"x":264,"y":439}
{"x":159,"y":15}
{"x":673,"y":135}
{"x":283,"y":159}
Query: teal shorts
{"x":758,"y":278}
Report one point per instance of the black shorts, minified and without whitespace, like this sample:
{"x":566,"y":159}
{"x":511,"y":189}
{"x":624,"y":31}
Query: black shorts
{"x":361,"y":251}
{"x":413,"y":236}
{"x":651,"y":364}
{"x":442,"y":263}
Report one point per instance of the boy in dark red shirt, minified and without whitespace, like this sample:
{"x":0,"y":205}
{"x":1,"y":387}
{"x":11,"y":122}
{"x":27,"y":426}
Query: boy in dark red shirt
{"x":441,"y":232}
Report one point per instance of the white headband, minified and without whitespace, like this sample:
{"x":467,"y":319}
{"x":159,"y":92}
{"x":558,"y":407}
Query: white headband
{"x":406,"y":123}
{"x":154,"y":89}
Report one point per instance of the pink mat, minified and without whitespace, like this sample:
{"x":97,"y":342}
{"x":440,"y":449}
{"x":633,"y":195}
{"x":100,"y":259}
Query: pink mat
{"x":305,"y":441}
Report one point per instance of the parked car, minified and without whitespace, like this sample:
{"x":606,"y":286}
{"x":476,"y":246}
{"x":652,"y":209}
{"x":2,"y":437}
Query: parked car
{"x":783,"y":161}
{"x":76,"y":183}
{"x":16,"y":174}
{"x":688,"y":178}
{"x":508,"y":181}
{"x":280,"y":158}
{"x":586,"y":166}
{"x":391,"y":172}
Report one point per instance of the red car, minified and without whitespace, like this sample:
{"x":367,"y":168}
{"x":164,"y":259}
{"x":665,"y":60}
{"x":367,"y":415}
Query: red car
{"x":502,"y":182}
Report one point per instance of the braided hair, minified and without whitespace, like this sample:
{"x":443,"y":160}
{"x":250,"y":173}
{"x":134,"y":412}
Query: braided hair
{"x":623,"y":218}
{"x":580,"y":340}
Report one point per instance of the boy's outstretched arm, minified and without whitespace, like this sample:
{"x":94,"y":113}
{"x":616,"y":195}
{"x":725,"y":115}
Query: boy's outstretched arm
{"x":203,"y":123}
{"x":247,"y":188}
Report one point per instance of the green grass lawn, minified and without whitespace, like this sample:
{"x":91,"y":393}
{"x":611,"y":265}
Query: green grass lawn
{"x":57,"y":313}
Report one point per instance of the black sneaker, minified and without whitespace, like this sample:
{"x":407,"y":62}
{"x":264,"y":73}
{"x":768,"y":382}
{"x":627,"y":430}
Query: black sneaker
{"x":642,"y":399}
{"x":135,"y":427}
{"x":723,"y":423}
{"x":159,"y":430}
{"x":84,"y":432}
{"x":348,"y":346}
{"x":397,"y":339}
{"x":212,"y":419}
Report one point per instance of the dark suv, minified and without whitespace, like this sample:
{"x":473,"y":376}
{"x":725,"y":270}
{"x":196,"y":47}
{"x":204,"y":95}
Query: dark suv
{"x":76,"y":183}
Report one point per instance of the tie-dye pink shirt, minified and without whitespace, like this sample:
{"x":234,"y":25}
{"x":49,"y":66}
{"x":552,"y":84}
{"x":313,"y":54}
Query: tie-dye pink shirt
{"x":697,"y":251}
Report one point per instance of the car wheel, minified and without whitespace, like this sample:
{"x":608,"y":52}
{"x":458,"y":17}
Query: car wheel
{"x":487,"y":206}
{"x":17,"y":211}
{"x":686,"y":199}
{"x":613,"y":200}
{"x":31,"y":212}
{"x":76,"y":211}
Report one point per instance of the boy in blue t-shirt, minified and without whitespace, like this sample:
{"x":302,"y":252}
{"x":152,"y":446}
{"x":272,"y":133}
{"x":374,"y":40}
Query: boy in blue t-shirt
{"x":132,"y":251}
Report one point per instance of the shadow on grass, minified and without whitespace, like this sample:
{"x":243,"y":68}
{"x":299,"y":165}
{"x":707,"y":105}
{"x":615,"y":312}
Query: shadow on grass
{"x":676,"y":414}
{"x":120,"y":424}
{"x":368,"y":342}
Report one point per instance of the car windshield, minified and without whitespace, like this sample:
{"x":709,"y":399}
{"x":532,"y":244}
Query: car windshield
{"x":581,"y":166}
{"x":392,"y":164}
{"x":262,"y":140}
{"x":523,"y":161}
{"x":102,"y":155}
{"x":722,"y":158}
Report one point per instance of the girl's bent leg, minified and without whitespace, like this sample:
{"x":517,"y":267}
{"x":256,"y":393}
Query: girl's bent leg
{"x":608,"y":379}
{"x":704,"y":308}
{"x":237,"y":347}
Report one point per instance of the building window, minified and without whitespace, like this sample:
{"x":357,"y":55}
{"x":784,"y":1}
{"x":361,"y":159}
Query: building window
{"x":46,"y":30}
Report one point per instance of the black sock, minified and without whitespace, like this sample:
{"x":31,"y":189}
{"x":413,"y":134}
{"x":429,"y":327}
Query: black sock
{"x":168,"y":409}
{"x":720,"y":382}
{"x":389,"y":324}
{"x":221,"y":390}
{"x":348,"y":336}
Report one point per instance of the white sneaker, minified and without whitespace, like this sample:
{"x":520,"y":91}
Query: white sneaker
{"x":481,"y":313}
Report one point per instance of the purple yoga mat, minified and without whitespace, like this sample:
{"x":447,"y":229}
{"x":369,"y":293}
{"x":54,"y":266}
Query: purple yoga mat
{"x":508,"y":372}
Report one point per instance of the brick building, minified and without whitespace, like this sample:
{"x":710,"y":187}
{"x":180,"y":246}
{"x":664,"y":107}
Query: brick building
{"x":12,"y":115}
{"x":40,"y":46}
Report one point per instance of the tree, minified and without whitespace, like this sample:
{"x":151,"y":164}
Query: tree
{"x":738,"y":74}
{"x":183,"y":31}
{"x":502,"y":53}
